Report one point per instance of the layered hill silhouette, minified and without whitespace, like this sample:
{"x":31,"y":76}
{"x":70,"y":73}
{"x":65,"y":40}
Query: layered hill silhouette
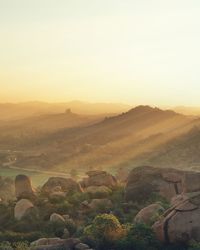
{"x":128,"y":139}
{"x":15,"y":111}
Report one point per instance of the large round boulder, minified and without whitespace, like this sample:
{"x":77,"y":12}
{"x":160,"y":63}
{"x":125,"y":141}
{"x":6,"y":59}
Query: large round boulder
{"x":144,"y":181}
{"x":66,"y":185}
{"x":181,"y":223}
{"x":99,"y":178}
{"x":98,"y":191}
{"x":23,"y":187}
{"x":22,"y":208}
{"x":149,"y":214}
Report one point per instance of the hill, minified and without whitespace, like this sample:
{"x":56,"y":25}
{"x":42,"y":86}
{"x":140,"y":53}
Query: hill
{"x":106,"y":144}
{"x":15,"y":111}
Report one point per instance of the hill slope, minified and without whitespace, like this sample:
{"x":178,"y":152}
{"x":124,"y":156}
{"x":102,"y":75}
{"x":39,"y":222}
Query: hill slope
{"x":107,"y":144}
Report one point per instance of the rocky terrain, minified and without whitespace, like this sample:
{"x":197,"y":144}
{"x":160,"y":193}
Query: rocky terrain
{"x":153,"y":209}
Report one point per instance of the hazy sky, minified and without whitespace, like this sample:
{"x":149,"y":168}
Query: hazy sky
{"x":132,"y":51}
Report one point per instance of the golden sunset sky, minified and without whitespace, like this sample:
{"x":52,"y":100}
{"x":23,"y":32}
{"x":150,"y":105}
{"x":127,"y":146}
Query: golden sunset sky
{"x":131,"y":51}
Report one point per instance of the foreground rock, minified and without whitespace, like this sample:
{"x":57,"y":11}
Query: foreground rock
{"x":99,"y":178}
{"x":58,"y":244}
{"x":144,"y":181}
{"x":22,"y":208}
{"x":60,"y":185}
{"x":181,"y":223}
{"x":23,"y":187}
{"x":149,"y":214}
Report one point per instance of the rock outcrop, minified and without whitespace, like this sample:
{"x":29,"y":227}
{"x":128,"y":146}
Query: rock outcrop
{"x":58,"y":244}
{"x":21,"y":208}
{"x":149,"y":214}
{"x":99,"y":178}
{"x":56,"y":185}
{"x":181,"y":223}
{"x":144,"y":181}
{"x":23,"y":187}
{"x":57,"y":218}
{"x":98,"y":191}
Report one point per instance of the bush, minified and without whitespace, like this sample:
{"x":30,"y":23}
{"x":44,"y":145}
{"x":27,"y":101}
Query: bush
{"x":54,"y":229}
{"x":194,"y":246}
{"x":139,"y":237}
{"x":104,"y":231}
{"x":5,"y":246}
{"x":21,"y":246}
{"x":19,"y":237}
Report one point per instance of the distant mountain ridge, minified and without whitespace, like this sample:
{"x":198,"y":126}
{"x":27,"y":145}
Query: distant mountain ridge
{"x":13,"y":111}
{"x":108,"y":143}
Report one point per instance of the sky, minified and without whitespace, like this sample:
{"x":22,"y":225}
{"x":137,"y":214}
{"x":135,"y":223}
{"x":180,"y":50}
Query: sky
{"x":130,"y":51}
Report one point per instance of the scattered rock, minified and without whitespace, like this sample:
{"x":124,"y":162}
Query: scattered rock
{"x":23,"y":187}
{"x":21,"y":208}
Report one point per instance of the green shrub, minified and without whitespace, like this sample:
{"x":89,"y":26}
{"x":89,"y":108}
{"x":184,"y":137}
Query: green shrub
{"x":194,"y":246}
{"x":21,"y":246}
{"x":19,"y":237}
{"x":5,"y":246}
{"x":53,"y":229}
{"x":139,"y":237}
{"x":104,"y":231}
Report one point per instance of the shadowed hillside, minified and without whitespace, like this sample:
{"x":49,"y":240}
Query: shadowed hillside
{"x":106,"y":144}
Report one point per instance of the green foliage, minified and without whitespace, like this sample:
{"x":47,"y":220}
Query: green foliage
{"x":53,"y":229}
{"x":194,"y":246}
{"x":139,"y":237}
{"x":5,"y":246}
{"x":155,"y":197}
{"x":103,"y":231}
{"x":19,"y":237}
{"x":21,"y":246}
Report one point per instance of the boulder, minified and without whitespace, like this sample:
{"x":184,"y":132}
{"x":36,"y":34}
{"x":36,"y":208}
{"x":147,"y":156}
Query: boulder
{"x":181,"y":223}
{"x":100,"y":203}
{"x":144,"y":181}
{"x":57,"y":218}
{"x":82,"y":246}
{"x":99,"y":178}
{"x":191,"y":182}
{"x":66,"y":185}
{"x":23,"y":187}
{"x":21,"y":208}
{"x":149,"y":214}
{"x":97,"y":191}
{"x":49,"y":244}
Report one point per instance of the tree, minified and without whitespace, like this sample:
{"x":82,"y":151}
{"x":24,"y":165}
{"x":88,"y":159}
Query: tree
{"x":104,"y":231}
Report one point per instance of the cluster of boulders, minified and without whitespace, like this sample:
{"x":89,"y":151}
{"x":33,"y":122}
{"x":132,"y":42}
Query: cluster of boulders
{"x":181,"y":222}
{"x":98,"y":186}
